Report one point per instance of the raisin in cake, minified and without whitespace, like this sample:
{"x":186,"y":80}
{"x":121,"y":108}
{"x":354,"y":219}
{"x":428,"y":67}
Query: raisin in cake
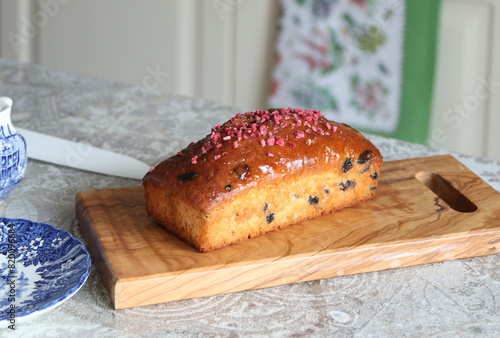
{"x":261,"y":171}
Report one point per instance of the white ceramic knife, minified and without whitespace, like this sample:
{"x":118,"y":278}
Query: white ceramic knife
{"x":81,"y":156}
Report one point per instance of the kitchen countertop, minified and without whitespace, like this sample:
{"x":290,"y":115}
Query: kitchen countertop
{"x":453,"y":298}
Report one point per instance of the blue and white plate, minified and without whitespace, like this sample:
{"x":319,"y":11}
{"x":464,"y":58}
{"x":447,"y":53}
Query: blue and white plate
{"x":41,"y":267}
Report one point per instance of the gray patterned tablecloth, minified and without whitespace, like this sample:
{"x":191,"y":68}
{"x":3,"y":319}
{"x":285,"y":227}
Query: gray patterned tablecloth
{"x":449,"y":299}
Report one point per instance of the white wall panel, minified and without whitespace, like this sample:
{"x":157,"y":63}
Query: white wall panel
{"x":257,"y":23}
{"x":462,"y":67}
{"x":18,"y":35}
{"x":118,"y":39}
{"x":189,"y":48}
{"x":219,"y":38}
{"x":493,"y":122}
{"x":214,"y":49}
{"x":467,"y":91}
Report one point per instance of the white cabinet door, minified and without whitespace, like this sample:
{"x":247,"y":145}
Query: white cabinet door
{"x":213,"y":49}
{"x":466,"y":111}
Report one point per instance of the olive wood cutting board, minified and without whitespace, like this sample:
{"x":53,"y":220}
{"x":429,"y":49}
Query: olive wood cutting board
{"x":426,"y":210}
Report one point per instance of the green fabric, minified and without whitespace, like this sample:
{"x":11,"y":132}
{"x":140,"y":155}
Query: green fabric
{"x":421,"y":36}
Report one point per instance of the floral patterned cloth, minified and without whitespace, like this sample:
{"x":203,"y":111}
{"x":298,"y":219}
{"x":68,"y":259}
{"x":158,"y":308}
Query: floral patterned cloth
{"x":344,"y":57}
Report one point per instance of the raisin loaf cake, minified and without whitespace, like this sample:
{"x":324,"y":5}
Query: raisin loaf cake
{"x":261,"y":171}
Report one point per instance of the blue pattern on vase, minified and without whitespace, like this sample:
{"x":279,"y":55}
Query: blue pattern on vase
{"x":13,"y":156}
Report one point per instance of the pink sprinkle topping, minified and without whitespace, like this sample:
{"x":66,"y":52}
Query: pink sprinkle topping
{"x":152,"y":168}
{"x":216,"y":157}
{"x":190,"y":144}
{"x":299,"y":134}
{"x":308,"y":142}
{"x":179,"y":153}
{"x":334,"y":129}
{"x":282,"y":160}
{"x":270,"y":155}
{"x":261,"y":124}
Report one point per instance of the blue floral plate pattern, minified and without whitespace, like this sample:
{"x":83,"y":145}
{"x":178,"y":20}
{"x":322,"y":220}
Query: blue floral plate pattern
{"x":41,"y":267}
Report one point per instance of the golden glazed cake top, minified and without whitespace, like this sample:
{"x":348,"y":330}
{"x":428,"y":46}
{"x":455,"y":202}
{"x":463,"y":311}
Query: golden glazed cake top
{"x":256,"y":148}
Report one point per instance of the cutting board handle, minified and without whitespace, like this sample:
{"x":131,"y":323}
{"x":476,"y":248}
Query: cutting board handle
{"x":449,"y":194}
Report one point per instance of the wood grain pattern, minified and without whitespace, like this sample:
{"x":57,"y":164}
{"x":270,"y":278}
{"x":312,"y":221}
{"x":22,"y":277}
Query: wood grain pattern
{"x":406,"y":224}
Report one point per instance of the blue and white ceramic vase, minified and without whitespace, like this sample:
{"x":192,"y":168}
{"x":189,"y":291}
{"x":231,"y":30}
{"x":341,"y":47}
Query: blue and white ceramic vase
{"x":12,"y":151}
